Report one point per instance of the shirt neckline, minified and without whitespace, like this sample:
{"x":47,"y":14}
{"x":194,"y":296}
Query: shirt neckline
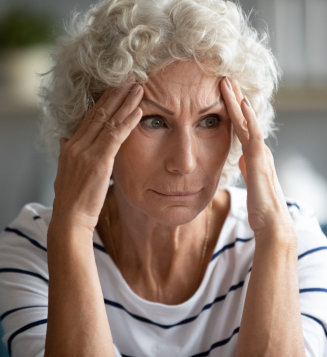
{"x":131,"y":296}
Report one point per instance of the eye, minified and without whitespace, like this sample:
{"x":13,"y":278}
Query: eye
{"x":153,"y":122}
{"x":210,"y":121}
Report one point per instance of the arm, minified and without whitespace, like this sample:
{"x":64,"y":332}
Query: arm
{"x":271,"y":323}
{"x":77,"y":319}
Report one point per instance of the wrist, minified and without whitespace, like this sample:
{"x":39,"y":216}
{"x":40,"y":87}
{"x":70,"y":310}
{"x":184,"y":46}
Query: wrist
{"x":279,"y":229}
{"x":67,"y":230}
{"x":72,"y":217}
{"x":279,"y":242}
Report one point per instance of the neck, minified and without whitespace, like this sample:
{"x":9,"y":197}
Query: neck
{"x":147,"y":251}
{"x":147,"y":240}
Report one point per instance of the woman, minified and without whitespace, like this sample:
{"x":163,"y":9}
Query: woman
{"x":146,"y":251}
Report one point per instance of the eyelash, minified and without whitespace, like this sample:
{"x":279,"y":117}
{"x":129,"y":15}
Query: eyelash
{"x":158,"y":117}
{"x":151,"y":117}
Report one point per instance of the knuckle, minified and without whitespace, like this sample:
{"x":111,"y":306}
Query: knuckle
{"x":111,"y":125}
{"x":99,"y":115}
{"x":126,"y":125}
{"x":72,"y":152}
{"x":114,"y":135}
{"x":258,"y":136}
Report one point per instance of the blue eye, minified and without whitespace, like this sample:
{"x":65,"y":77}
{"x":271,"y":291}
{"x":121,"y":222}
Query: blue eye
{"x":152,"y":122}
{"x":211,"y":121}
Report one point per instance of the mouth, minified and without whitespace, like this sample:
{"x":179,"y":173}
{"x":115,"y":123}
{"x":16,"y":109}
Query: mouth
{"x":177,"y":195}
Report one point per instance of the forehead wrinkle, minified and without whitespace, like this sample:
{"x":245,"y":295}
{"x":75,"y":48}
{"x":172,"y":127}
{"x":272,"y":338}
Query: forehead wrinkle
{"x":185,"y":102}
{"x":182,"y":91}
{"x":199,"y":98}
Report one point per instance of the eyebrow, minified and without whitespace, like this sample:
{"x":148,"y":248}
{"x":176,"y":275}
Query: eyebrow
{"x":163,"y":109}
{"x":169,"y":112}
{"x":210,"y":106}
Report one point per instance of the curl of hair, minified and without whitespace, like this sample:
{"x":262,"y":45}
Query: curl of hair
{"x":117,"y":40}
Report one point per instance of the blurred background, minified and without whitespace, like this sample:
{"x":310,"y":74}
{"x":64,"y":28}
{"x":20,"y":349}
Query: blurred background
{"x":298,"y":31}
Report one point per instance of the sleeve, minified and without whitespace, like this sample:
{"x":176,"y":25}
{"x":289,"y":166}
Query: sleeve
{"x":24,"y":282}
{"x":312,"y":273}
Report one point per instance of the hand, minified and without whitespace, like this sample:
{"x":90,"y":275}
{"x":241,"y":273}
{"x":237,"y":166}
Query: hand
{"x":267,"y":209}
{"x":86,"y":159}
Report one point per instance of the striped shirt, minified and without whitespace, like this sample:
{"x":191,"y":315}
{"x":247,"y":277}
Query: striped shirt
{"x":207,"y":324}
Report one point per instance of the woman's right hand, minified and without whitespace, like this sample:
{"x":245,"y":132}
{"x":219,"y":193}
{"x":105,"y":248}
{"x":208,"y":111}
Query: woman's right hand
{"x":86,"y":159}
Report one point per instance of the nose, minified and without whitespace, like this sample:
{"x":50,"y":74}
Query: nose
{"x":181,"y":153}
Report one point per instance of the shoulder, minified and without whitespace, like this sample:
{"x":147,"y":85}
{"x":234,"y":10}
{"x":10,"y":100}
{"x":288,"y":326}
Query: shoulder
{"x":23,"y":247}
{"x":33,"y":212}
{"x":312,"y":275}
{"x":28,"y":229}
{"x":24,"y":280}
{"x":305,"y":222}
{"x":309,"y":232}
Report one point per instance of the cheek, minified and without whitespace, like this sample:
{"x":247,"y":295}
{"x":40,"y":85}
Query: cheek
{"x":215,"y":149}
{"x":132,"y":160}
{"x":141,"y":154}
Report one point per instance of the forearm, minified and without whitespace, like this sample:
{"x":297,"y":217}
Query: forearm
{"x":77,"y":319}
{"x":271,"y":321}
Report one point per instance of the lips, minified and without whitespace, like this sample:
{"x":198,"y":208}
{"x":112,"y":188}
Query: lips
{"x":178,"y":193}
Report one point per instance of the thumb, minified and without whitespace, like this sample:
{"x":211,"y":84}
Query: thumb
{"x":242,"y":166}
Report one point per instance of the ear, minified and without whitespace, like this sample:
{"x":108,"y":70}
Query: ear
{"x":242,"y":166}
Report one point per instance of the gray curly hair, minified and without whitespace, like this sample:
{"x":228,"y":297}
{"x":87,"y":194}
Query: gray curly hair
{"x":119,"y":40}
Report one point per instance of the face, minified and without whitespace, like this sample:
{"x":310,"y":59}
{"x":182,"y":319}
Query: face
{"x":169,"y":167}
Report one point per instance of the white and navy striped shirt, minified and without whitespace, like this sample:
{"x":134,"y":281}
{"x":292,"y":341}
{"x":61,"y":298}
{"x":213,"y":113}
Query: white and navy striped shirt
{"x":206,"y":324}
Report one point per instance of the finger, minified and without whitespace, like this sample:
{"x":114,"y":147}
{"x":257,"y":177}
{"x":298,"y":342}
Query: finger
{"x":255,"y":132}
{"x":106,"y":115}
{"x":94,"y":119}
{"x":234,"y":111}
{"x":85,"y":123}
{"x":236,"y":89}
{"x":115,"y":133}
{"x":118,"y":97}
{"x":242,"y":166}
{"x":255,"y":153}
{"x":102,"y":114}
{"x":129,"y":105}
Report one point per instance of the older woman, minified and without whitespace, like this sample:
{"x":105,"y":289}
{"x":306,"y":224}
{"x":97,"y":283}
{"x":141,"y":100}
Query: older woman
{"x":147,"y":251}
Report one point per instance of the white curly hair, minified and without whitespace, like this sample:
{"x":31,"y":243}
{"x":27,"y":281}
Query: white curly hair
{"x":119,"y":40}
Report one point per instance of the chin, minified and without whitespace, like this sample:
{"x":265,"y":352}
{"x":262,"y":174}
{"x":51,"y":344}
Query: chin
{"x":174,"y":216}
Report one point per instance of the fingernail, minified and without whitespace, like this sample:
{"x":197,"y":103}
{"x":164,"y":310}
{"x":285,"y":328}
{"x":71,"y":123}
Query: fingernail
{"x":228,"y":84}
{"x":136,"y":89}
{"x":247,"y":102}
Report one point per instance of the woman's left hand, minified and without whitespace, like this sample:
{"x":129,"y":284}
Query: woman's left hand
{"x":267,"y":210}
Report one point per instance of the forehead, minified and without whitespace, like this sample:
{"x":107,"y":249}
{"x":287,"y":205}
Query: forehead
{"x":184,"y":79}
